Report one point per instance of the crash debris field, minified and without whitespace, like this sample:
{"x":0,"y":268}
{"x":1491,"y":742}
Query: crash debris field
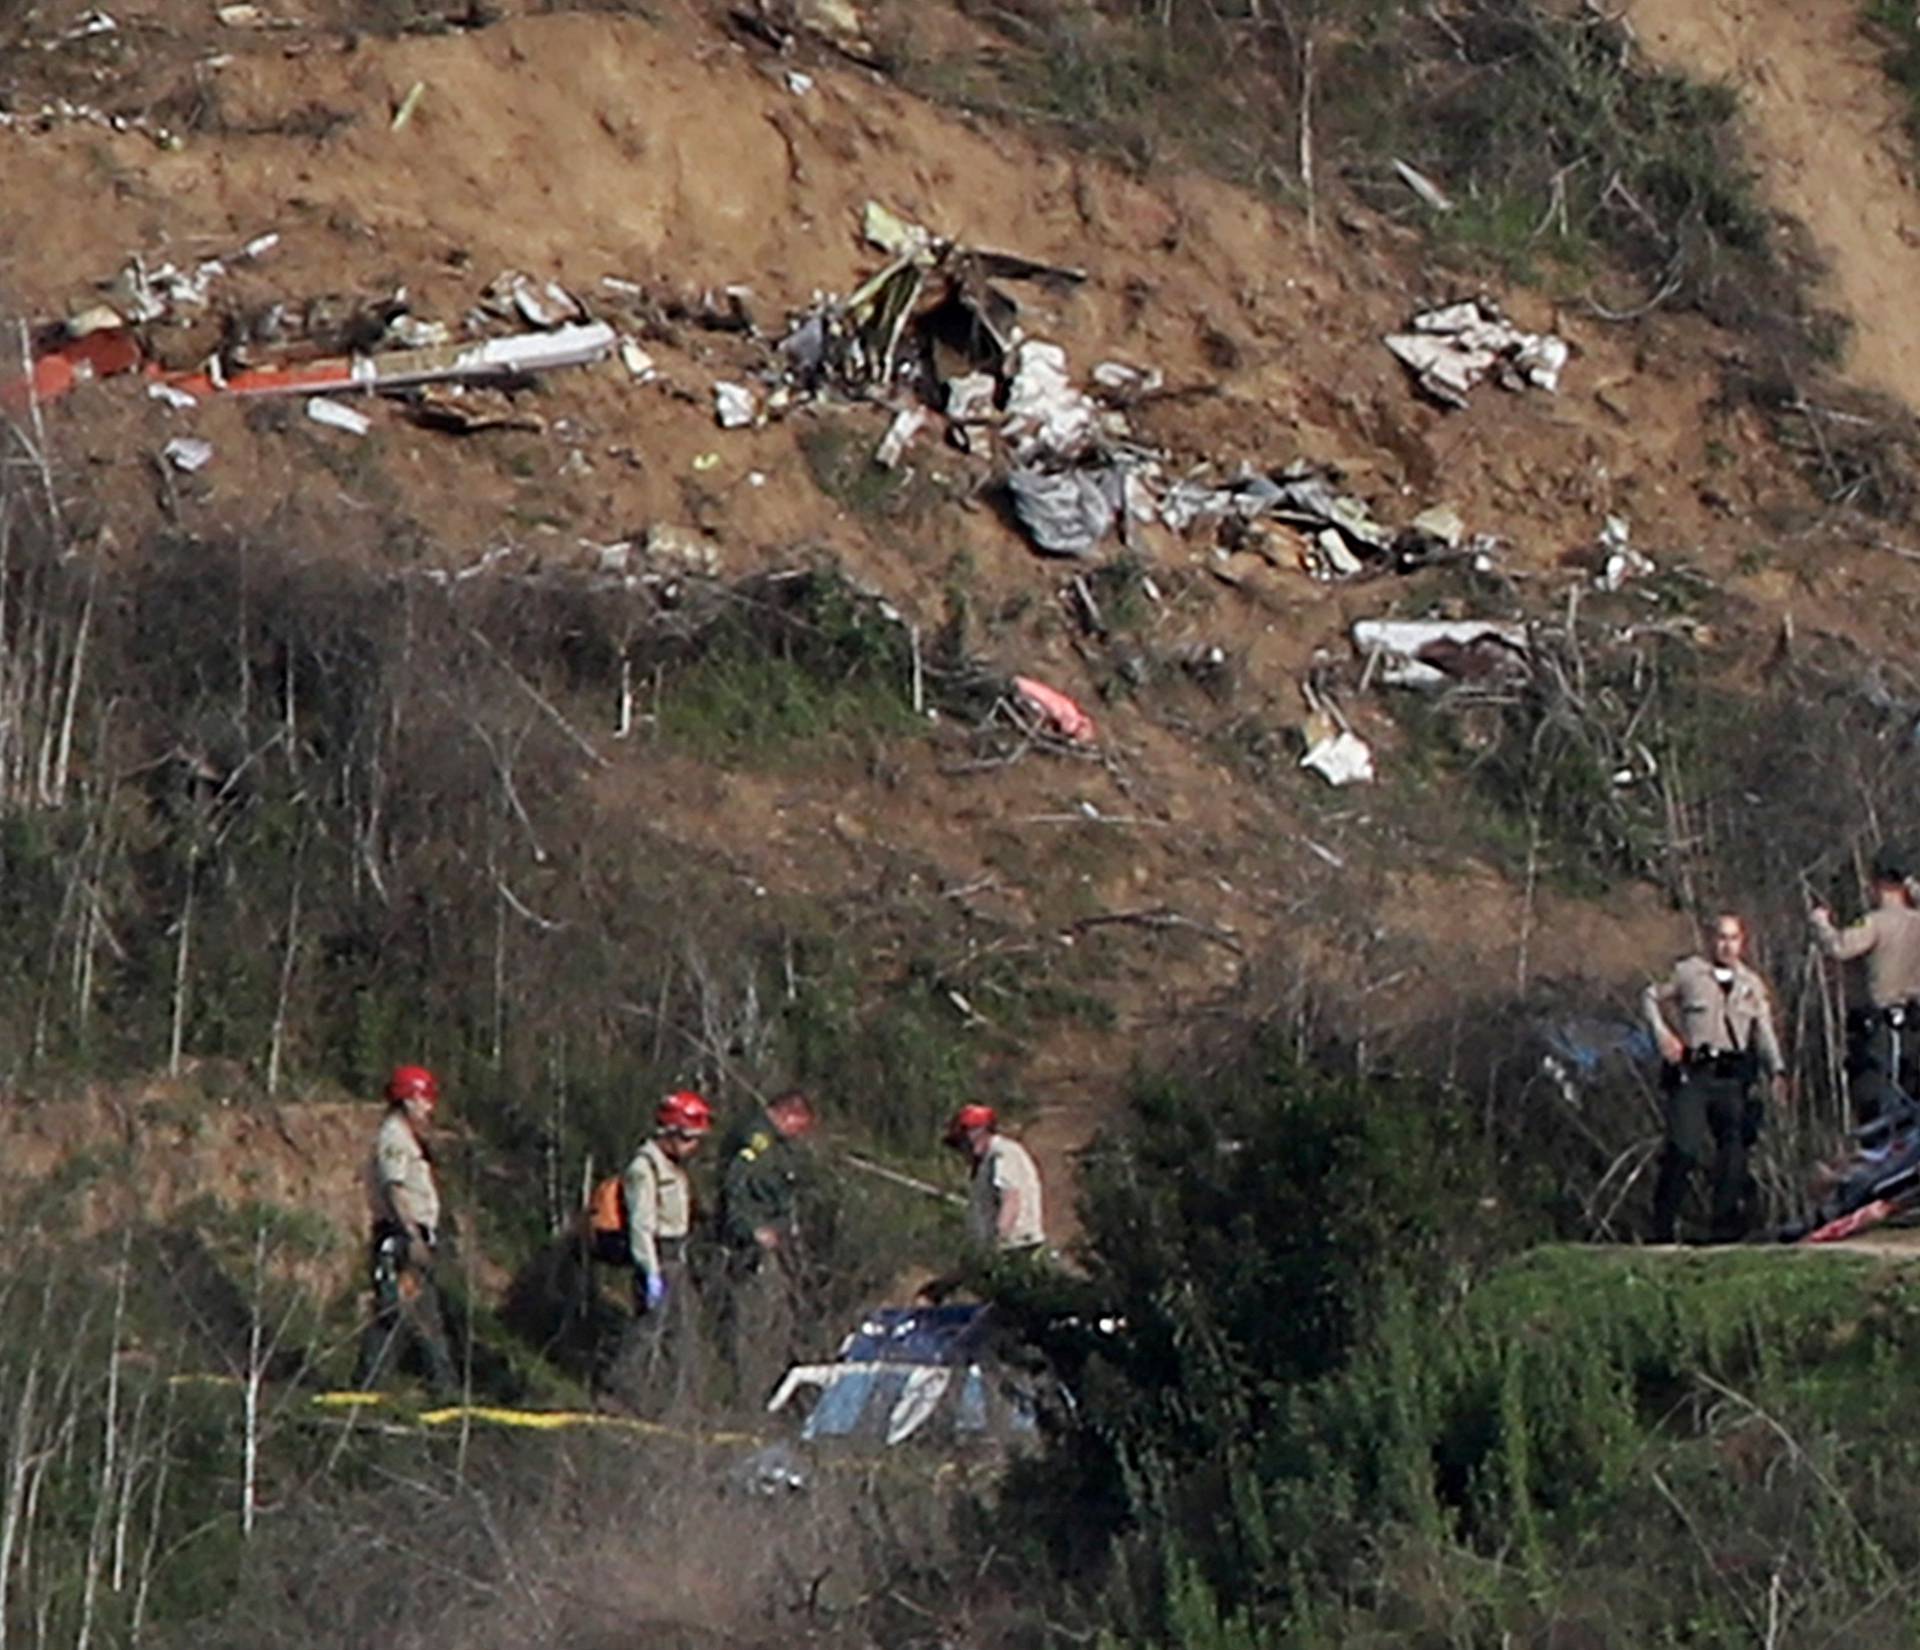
{"x":647,"y":300}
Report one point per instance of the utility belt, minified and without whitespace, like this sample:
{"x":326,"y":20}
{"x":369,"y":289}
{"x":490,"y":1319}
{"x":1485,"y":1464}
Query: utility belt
{"x":1732,"y":1065}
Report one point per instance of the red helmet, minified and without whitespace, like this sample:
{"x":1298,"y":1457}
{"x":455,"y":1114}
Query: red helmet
{"x":969,"y":1118}
{"x":413,"y":1083}
{"x":684,"y":1112}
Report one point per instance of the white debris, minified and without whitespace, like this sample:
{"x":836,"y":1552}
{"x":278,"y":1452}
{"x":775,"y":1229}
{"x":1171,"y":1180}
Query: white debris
{"x":177,"y":399}
{"x":1045,"y":413}
{"x":1623,"y":563}
{"x":187,"y":453}
{"x":1340,"y":756}
{"x":734,"y":406}
{"x":1423,"y":186}
{"x":799,"y":84}
{"x":970,"y":398}
{"x":907,"y":423}
{"x":92,"y":23}
{"x":684,"y":548}
{"x":638,"y":362}
{"x":1451,"y":350}
{"x":1430,"y":653}
{"x":410,"y":332}
{"x":1121,"y":379}
{"x":538,"y":303}
{"x":337,"y":415}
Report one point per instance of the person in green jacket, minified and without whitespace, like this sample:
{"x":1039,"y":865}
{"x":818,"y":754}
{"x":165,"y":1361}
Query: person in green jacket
{"x":760,"y":1227}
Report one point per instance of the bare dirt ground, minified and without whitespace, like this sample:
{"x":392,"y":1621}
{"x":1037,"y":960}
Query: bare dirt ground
{"x":1824,"y":130}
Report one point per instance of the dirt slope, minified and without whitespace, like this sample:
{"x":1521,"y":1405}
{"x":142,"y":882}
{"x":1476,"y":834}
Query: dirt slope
{"x":1825,"y":132}
{"x":585,"y":145}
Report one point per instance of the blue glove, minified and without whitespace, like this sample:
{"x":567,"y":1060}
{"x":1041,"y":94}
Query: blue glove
{"x":649,"y":1292}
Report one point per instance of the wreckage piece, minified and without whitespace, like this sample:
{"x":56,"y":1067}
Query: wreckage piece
{"x":1431,"y":653}
{"x":1068,"y":513}
{"x":493,"y":359}
{"x":1341,"y":757}
{"x":1451,"y":350}
{"x":102,"y":353}
{"x":469,"y":412}
{"x":909,"y":1372}
{"x":1046,"y":414}
{"x":1058,"y":714}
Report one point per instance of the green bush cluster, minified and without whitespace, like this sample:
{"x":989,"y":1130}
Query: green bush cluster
{"x":1336,"y":1417}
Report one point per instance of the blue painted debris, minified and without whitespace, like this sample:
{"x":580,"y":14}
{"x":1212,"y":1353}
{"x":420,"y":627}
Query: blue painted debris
{"x":906,"y":1371}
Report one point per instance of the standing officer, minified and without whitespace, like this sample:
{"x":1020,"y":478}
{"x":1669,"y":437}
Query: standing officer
{"x":1889,"y":938}
{"x":1713,"y":1062}
{"x":404,"y":1201}
{"x":658,"y":1202}
{"x":759,"y":1197}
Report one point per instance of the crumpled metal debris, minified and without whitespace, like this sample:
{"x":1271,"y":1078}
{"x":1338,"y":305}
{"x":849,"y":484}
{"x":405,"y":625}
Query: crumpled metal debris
{"x":1068,"y":512}
{"x":1431,"y":653}
{"x":734,"y":406}
{"x":1451,"y":350}
{"x":1045,"y":413}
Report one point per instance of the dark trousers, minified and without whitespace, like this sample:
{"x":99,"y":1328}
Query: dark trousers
{"x":761,"y":1321}
{"x":408,"y":1326}
{"x":1711,"y":1121}
{"x":1878,"y":1069}
{"x":655,"y":1367}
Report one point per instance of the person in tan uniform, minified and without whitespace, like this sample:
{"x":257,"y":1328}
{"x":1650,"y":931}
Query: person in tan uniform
{"x":652,"y":1365}
{"x":403,"y":1199}
{"x":1713,"y":1022}
{"x":1880,"y":1035}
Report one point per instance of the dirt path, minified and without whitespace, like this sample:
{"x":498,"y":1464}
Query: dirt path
{"x":1825,"y":132}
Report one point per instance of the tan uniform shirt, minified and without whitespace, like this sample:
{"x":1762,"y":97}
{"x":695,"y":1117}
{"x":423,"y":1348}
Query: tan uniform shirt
{"x":1006,"y":1169}
{"x":659,"y":1204}
{"x":400,"y":1184}
{"x":1889,"y":938}
{"x":1720,"y":1018}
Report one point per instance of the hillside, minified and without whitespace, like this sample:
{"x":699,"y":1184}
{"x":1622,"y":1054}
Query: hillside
{"x":585,"y":740}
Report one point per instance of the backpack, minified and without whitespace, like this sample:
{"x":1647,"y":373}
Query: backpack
{"x":607,"y":1207}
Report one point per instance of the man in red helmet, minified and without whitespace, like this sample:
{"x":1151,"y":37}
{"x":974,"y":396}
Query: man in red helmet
{"x":659,"y":1210}
{"x":404,"y":1201}
{"x":1004,"y":1214}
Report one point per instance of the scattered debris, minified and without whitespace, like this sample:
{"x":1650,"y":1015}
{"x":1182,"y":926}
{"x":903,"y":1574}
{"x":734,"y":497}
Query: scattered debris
{"x":489,"y":359}
{"x":336,"y":415}
{"x":734,"y":406}
{"x":907,"y":423}
{"x":799,"y":84}
{"x":187,"y":453}
{"x":1058,"y":714}
{"x":1431,"y":653}
{"x":1334,"y":751}
{"x":1429,"y":192}
{"x":684,"y":548}
{"x":638,"y":362}
{"x":539,"y":303}
{"x":1451,"y":350}
{"x":408,"y":105}
{"x":1621,"y":563}
{"x":179,"y":400}
{"x":1067,"y":514}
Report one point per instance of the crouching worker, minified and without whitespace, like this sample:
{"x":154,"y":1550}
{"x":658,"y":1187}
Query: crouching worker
{"x":656,"y":1198}
{"x":404,"y":1201}
{"x":1713,"y":1063}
